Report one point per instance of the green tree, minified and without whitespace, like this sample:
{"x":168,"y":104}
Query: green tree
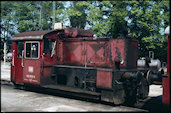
{"x":7,"y":25}
{"x":148,"y":19}
{"x":27,"y":15}
{"x":107,"y":18}
{"x":24,"y":16}
{"x":7,"y":22}
{"x":77,"y":14}
{"x":47,"y":14}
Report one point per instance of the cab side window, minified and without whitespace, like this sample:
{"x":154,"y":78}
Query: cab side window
{"x":48,"y":46}
{"x":19,"y":49}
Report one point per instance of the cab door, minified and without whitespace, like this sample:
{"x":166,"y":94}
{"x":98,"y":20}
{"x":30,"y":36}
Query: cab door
{"x":17,"y":62}
{"x":48,"y":60}
{"x":31,"y":62}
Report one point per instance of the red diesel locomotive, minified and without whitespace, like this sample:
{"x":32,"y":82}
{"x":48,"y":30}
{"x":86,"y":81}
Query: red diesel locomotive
{"x":73,"y":60}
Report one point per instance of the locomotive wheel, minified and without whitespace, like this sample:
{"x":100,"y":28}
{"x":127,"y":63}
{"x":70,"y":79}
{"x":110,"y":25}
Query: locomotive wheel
{"x":17,"y":86}
{"x":143,"y":89}
{"x":148,"y":77}
{"x":119,"y":97}
{"x":131,"y":97}
{"x":118,"y":93}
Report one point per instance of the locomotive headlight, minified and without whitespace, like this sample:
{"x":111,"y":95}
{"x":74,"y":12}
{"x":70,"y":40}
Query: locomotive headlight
{"x":122,"y":61}
{"x":119,"y":59}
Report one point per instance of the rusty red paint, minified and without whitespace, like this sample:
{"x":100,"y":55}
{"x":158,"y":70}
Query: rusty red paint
{"x":74,"y":32}
{"x":73,"y":52}
{"x":104,"y":79}
{"x":96,"y":53}
{"x":101,"y":53}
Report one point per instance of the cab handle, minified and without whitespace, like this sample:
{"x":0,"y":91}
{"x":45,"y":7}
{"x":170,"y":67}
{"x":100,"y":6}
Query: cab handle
{"x":13,"y":53}
{"x":22,"y":64}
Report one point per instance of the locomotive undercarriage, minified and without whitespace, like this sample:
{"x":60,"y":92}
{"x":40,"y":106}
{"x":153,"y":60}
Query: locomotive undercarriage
{"x":127,"y":87}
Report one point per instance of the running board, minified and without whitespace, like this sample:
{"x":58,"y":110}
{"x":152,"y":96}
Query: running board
{"x":73,"y":91}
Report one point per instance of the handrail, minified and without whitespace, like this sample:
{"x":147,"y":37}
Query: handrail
{"x":13,"y":53}
{"x":22,"y":58}
{"x":53,"y":49}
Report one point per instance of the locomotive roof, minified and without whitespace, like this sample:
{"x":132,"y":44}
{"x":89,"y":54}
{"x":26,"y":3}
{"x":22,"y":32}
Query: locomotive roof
{"x":31,"y":35}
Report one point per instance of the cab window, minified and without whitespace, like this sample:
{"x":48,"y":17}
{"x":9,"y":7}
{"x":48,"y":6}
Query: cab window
{"x":48,"y":46}
{"x":32,"y":50}
{"x":19,"y":49}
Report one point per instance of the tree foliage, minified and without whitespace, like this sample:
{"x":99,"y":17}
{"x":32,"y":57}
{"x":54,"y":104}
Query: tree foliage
{"x":77,"y":15}
{"x":148,"y":20}
{"x":7,"y":23}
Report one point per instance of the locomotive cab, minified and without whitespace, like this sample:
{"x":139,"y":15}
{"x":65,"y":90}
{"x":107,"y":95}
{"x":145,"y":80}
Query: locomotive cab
{"x":33,"y":53}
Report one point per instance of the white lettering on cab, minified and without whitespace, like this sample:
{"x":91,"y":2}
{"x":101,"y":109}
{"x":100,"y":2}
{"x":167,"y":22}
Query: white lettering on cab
{"x":30,"y":69}
{"x":30,"y":76}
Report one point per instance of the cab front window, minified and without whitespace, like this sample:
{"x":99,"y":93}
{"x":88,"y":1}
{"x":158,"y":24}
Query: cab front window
{"x":32,"y":50}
